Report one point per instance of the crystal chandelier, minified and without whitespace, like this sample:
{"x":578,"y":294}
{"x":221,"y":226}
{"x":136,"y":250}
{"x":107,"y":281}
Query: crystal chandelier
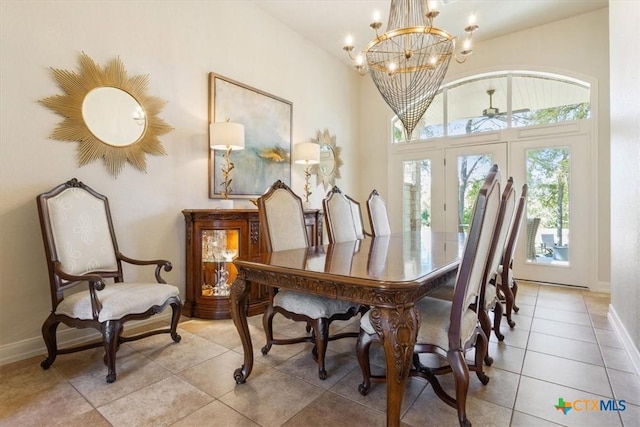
{"x":409,"y":61}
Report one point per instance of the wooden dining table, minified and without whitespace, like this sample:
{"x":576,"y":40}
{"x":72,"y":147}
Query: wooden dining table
{"x":387,"y":273}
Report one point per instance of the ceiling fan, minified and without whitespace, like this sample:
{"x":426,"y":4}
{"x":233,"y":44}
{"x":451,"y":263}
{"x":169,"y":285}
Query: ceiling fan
{"x":494,"y":113}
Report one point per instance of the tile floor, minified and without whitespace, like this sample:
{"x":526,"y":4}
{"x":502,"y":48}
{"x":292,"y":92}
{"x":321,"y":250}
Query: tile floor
{"x":562,"y":346}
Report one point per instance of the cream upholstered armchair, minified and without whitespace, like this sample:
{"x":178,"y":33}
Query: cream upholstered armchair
{"x":449,"y":328}
{"x":378,"y":216}
{"x":282,"y":221}
{"x":82,"y":253}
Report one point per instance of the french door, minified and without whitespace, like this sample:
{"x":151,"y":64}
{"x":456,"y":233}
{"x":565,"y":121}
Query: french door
{"x":439,"y":185}
{"x":420,"y":174}
{"x":556,"y":242}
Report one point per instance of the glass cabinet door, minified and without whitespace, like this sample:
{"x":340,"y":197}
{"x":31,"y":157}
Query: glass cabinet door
{"x":219,"y":248}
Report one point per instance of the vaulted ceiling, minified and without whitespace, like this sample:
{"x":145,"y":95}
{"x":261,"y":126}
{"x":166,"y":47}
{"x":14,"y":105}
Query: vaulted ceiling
{"x":326,"y":23}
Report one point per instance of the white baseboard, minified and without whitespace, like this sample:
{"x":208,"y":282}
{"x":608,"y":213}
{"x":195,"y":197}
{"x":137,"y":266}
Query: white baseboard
{"x":625,"y":339}
{"x":602,"y":287}
{"x":31,"y":347}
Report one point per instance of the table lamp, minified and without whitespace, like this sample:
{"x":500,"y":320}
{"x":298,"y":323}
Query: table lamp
{"x":306,"y":153}
{"x":226,"y":136}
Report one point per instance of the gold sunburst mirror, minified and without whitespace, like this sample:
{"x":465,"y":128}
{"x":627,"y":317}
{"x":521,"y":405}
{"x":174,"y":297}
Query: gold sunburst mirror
{"x":328,"y":170}
{"x":109,"y":114}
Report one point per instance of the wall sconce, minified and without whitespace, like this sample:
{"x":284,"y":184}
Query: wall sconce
{"x":226,"y":136}
{"x":307,"y":154}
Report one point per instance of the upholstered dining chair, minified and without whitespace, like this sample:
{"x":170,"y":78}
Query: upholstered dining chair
{"x":378,"y":215}
{"x":449,"y":329}
{"x":356,"y":212}
{"x":83,"y":255}
{"x":507,"y":285}
{"x":282,"y":221}
{"x":343,"y":217}
{"x":489,"y":297}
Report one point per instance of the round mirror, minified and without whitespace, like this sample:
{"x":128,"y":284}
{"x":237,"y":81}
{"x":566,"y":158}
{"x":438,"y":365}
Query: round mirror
{"x":113,"y":116}
{"x":109,"y":114}
{"x":327,"y":159}
{"x":329,"y":167}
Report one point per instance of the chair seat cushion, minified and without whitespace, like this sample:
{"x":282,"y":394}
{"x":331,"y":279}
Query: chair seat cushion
{"x":490,"y":295}
{"x":510,"y":278}
{"x":118,"y":300}
{"x":313,"y":306}
{"x":435,"y":315}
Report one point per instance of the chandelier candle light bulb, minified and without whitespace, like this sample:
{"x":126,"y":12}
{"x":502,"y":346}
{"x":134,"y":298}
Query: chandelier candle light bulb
{"x":348,"y":42}
{"x":472,"y":21}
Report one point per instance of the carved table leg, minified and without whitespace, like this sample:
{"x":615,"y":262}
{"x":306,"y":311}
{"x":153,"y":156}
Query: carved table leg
{"x":239,"y":300}
{"x":398,"y":330}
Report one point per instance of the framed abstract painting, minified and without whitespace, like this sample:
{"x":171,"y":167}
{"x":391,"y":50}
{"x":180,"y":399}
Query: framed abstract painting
{"x":267,"y":121}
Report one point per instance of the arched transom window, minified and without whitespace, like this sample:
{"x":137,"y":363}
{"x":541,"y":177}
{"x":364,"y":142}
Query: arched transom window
{"x":495,"y":101}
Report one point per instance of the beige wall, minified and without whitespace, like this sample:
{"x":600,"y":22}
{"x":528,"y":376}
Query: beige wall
{"x":625,"y":174}
{"x":177,"y":43}
{"x":576,"y":47}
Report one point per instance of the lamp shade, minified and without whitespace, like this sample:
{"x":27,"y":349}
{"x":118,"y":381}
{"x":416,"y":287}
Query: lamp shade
{"x":306,"y":153}
{"x":223,"y":135}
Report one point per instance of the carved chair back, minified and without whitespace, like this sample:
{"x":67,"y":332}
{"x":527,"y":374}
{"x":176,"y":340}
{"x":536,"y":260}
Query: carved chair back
{"x":282,"y":218}
{"x":339,"y":217}
{"x":514,"y":232}
{"x":356,"y":212}
{"x":78,"y":235}
{"x":474,"y":262}
{"x":378,"y":216}
{"x":503,"y":225}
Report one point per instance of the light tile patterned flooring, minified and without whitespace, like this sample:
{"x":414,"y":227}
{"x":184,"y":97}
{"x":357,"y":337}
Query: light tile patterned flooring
{"x":562,"y":346}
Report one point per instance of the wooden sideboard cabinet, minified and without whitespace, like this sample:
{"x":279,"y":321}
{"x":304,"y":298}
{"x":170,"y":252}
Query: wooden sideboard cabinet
{"x":214,"y":238}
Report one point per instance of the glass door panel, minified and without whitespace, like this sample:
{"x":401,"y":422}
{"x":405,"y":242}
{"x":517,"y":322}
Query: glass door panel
{"x":417,"y":207}
{"x":466,"y":170}
{"x":556,"y":242}
{"x":219,"y":249}
{"x":548,"y":223}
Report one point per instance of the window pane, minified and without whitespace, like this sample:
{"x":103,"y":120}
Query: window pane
{"x":480,"y":104}
{"x":539,"y":100}
{"x":477,"y":106}
{"x":417,"y":195}
{"x":548,"y":205}
{"x":472,"y":172}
